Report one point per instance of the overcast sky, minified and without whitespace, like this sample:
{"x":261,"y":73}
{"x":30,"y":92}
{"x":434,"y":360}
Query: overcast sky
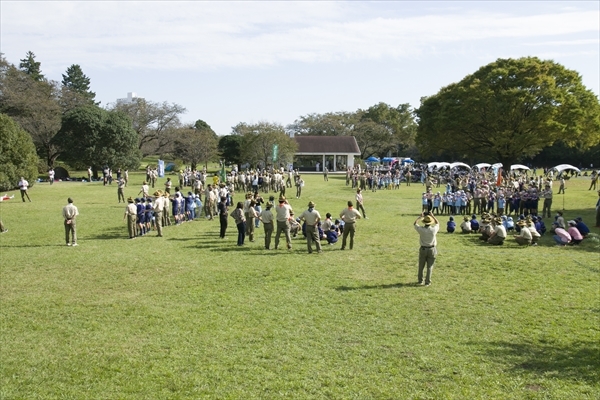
{"x":229,"y":62}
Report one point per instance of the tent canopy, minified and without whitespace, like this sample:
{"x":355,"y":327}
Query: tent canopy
{"x":387,"y":159}
{"x":437,"y":165}
{"x":407,"y":160}
{"x":459,"y":164}
{"x":482,"y":165}
{"x":518,"y":166}
{"x":560,"y":168}
{"x":372,"y":159}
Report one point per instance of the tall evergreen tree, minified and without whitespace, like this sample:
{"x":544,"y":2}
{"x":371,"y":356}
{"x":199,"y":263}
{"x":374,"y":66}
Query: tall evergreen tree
{"x":32,"y":67}
{"x":78,"y":83}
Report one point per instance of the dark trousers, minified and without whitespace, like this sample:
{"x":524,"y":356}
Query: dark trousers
{"x":241,"y":227}
{"x":223,"y":221}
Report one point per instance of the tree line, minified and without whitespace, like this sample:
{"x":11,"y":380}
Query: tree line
{"x":510,"y":110}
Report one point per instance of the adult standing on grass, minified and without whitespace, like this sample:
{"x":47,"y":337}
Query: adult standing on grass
{"x":299,"y":186}
{"x":23,"y":186}
{"x":89,"y":172}
{"x":312,"y":218}
{"x":359,"y":203}
{"x":144,"y":190}
{"x":120,"y":188}
{"x":70,"y":214}
{"x":159,"y":208}
{"x":428,"y":242}
{"x":266,"y":216}
{"x":130,"y":215}
{"x":349,"y":216}
{"x":223,"y":214}
{"x":283,"y":214}
{"x":51,"y":175}
{"x":240,"y":222}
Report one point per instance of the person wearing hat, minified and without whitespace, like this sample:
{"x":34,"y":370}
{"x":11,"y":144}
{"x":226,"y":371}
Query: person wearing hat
{"x":546,"y":194}
{"x":498,"y":234}
{"x":120,"y":188}
{"x":283,"y":214}
{"x":159,"y":208}
{"x":561,"y":236}
{"x":299,"y":186}
{"x":312,"y":218}
{"x":465,"y":226}
{"x":144,"y":190}
{"x":576,"y":236}
{"x":359,"y":203}
{"x":524,"y":237}
{"x":349,"y":216}
{"x":428,"y":241}
{"x":266,"y":216}
{"x":130,"y":215}
{"x":70,"y":214}
{"x":560,"y":221}
{"x":451,"y":225}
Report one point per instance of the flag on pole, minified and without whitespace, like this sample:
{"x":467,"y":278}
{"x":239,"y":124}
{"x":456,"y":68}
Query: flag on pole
{"x":499,"y":180}
{"x":223,"y":175}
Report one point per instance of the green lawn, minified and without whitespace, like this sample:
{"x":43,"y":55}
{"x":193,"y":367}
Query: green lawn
{"x":190,"y":316}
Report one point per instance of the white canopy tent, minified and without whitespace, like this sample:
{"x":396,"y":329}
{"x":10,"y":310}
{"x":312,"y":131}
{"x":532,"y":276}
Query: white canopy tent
{"x":518,"y":166}
{"x":497,"y":165}
{"x":437,"y":165}
{"x":459,"y":164}
{"x":562,"y":167}
{"x":482,"y":165}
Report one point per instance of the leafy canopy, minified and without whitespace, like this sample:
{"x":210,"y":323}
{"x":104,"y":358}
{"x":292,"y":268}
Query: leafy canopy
{"x":93,"y":136}
{"x":31,"y":67}
{"x":17,"y":154}
{"x":509,"y":110}
{"x":76,"y":84}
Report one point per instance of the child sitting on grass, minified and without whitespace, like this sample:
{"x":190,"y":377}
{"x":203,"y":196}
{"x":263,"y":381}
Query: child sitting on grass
{"x":451,"y":225}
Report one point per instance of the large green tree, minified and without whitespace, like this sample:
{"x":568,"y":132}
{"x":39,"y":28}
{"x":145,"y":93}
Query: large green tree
{"x":93,"y":136}
{"x":17,"y":154}
{"x":258,"y":140}
{"x":34,"y":105}
{"x":230,"y":149}
{"x":197,"y":144}
{"x":32,"y":67}
{"x":76,"y":88}
{"x":154,"y":123}
{"x":509,"y":110}
{"x":379,"y":130}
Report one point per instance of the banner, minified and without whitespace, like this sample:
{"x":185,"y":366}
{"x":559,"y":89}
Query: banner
{"x":161,"y":168}
{"x":275,"y":153}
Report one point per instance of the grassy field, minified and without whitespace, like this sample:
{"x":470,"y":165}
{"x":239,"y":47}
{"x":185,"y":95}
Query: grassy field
{"x":190,"y":316}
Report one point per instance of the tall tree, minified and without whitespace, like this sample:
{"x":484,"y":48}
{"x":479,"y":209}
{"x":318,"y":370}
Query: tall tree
{"x":258,"y":140}
{"x":93,"y":136}
{"x":328,"y":124}
{"x":509,"y":110}
{"x":31,"y":67}
{"x":77,"y":85}
{"x":399,"y":123}
{"x":34,"y":105}
{"x":230,"y":148}
{"x":153,"y":122}
{"x":17,"y":154}
{"x":196,"y":144}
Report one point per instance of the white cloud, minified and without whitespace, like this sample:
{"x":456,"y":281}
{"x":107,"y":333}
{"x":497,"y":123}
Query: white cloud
{"x":205,"y":35}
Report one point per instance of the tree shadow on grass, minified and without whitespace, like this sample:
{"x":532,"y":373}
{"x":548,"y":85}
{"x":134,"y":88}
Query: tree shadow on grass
{"x":575,"y":361}
{"x":109,"y":234}
{"x":368,"y":287}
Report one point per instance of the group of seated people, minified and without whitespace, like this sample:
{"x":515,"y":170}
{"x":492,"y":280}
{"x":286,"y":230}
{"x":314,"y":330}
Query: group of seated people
{"x":328,"y":229}
{"x":528,"y":229}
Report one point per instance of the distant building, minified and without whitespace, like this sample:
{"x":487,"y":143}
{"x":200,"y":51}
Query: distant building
{"x":334,"y":152}
{"x":131,"y":96}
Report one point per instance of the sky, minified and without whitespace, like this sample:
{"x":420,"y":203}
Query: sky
{"x":228,"y":62}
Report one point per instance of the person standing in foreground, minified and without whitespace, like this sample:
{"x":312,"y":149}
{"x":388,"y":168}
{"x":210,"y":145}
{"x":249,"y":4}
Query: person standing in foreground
{"x":130,"y":214}
{"x":349,"y":216}
{"x":312,"y":218}
{"x":23,"y":185}
{"x":223,"y":213}
{"x":283,"y":212}
{"x":159,"y":208}
{"x":240,"y":222}
{"x":428,"y":242}
{"x":266,"y":216}
{"x":359,"y":203}
{"x":70,"y":214}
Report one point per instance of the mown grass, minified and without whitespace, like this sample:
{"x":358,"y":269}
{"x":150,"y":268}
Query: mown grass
{"x":192,"y":316}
